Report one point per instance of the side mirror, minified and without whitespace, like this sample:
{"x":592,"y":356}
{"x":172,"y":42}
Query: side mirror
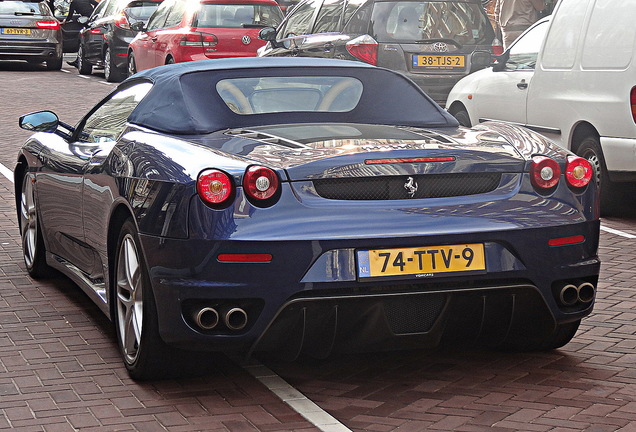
{"x":138,"y":26}
{"x":41,"y":121}
{"x":267,"y":34}
{"x":480,"y":60}
{"x":500,"y":61}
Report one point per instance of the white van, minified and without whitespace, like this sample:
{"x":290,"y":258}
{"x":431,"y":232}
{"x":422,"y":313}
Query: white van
{"x":571,"y":77}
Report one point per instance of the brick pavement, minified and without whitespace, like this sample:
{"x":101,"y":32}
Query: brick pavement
{"x":60,"y":370}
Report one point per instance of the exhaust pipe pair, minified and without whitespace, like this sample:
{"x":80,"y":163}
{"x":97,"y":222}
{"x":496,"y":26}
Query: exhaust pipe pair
{"x":570,"y":294}
{"x":208,"y":318}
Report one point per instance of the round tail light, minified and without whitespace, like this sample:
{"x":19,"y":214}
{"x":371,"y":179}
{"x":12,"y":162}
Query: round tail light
{"x":215,"y":187}
{"x":544,"y":172}
{"x":260,"y":183}
{"x":578,"y":172}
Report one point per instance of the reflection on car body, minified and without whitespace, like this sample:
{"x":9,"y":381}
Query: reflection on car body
{"x":209,"y":209}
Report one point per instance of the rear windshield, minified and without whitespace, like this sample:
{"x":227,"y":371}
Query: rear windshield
{"x":290,"y":94}
{"x":23,"y":8}
{"x":141,"y":10}
{"x":405,"y":21}
{"x":238,"y":16}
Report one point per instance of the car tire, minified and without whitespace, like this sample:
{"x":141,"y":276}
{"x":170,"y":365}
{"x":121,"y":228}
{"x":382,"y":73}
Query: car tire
{"x":33,"y":249}
{"x":55,"y":64}
{"x":132,"y":66}
{"x":83,"y":66}
{"x":111,"y":72}
{"x":462,"y":117}
{"x":135,"y":315}
{"x":590,"y":149}
{"x":169,"y":60}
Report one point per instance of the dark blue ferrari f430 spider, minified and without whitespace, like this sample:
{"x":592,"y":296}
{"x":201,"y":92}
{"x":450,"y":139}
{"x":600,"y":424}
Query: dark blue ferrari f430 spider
{"x":306,"y":206}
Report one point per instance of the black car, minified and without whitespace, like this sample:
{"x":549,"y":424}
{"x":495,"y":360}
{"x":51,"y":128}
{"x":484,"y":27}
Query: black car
{"x":435,"y":43}
{"x":104,"y":41}
{"x":29,"y":31}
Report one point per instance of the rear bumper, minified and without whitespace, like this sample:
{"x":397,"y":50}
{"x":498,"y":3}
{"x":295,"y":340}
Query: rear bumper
{"x":309,"y":298}
{"x":40,"y":51}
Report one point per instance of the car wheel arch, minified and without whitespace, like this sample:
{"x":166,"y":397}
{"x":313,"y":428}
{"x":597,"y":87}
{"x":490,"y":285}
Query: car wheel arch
{"x":18,"y":175}
{"x":458,"y":106}
{"x":121,"y":213}
{"x":579,"y":132}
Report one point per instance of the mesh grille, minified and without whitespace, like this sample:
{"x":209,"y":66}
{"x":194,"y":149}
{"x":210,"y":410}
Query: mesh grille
{"x":413,"y":315}
{"x":395,"y":187}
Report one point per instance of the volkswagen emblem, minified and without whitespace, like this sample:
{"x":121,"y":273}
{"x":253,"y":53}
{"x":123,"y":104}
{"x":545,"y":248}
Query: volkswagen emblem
{"x":246,"y":40}
{"x":410,"y":186}
{"x":440,"y":47}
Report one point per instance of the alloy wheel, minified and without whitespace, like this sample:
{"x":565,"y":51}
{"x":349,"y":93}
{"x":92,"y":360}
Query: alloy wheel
{"x":129,"y":298}
{"x":28,"y":222}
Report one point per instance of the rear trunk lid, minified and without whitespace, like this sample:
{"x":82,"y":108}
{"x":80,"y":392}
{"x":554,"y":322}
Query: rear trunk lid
{"x":336,"y":151}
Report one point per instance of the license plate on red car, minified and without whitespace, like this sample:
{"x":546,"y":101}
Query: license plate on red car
{"x":16,"y":31}
{"x":421,"y":261}
{"x":439,"y":62}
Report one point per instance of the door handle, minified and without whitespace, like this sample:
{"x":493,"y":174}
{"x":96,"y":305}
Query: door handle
{"x":153,"y":38}
{"x":522,"y":84}
{"x":328,"y":46}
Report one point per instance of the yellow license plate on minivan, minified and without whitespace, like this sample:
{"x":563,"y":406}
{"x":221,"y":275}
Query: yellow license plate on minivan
{"x":421,"y":261}
{"x":439,"y":62}
{"x":16,"y":31}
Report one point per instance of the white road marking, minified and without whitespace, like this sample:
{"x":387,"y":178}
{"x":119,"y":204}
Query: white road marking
{"x":6,"y":172}
{"x":617,"y":232}
{"x":295,"y":399}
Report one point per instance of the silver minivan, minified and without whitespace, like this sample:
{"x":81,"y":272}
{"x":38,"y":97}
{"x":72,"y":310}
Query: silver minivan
{"x":29,"y":31}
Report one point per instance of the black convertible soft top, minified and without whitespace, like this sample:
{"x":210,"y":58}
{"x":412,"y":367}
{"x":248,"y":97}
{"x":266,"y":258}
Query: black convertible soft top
{"x":184,"y":99}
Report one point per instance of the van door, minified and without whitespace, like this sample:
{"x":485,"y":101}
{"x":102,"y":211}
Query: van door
{"x":557,"y":93}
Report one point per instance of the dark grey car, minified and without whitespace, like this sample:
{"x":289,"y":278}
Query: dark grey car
{"x":435,"y":43}
{"x":29,"y":31}
{"x":104,"y":41}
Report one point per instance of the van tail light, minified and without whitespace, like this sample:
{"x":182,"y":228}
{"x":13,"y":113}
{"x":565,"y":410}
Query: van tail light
{"x":215,"y":188}
{"x":260,"y":183}
{"x":497,"y":47}
{"x":544,"y":173}
{"x":48,"y":25}
{"x":364,"y":48}
{"x":122,"y":22}
{"x":632,"y":102}
{"x":578,"y":171}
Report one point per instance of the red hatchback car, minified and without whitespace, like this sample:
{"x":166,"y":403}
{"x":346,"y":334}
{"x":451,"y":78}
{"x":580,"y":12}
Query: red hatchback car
{"x":187,"y":30}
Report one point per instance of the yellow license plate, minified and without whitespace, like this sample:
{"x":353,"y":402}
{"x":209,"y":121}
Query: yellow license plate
{"x":16,"y":31}
{"x":441,"y":62}
{"x":421,"y":261}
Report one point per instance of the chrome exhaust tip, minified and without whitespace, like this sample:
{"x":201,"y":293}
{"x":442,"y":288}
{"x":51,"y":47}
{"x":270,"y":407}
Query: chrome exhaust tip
{"x":569,"y":295}
{"x":235,"y":319}
{"x":207,"y":318}
{"x":586,"y":292}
